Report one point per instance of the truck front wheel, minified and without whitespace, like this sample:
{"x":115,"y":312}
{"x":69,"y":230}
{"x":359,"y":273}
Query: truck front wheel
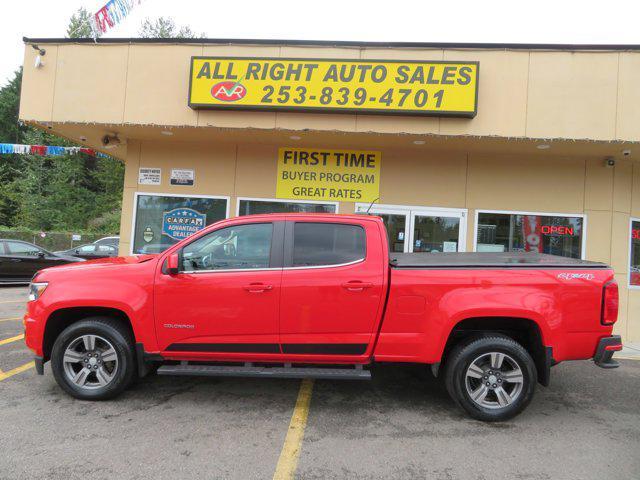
{"x":493,"y":378}
{"x":93,"y":359}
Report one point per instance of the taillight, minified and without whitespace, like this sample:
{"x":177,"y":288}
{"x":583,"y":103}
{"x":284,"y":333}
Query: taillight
{"x":609,"y":303}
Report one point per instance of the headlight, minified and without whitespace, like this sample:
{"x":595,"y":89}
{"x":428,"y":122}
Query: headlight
{"x":36,"y":289}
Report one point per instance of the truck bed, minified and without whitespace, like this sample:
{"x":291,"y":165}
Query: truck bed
{"x":488,"y":260}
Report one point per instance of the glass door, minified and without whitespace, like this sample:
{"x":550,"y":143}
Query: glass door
{"x":416,"y":229}
{"x":396,"y":220}
{"x":396,"y":230}
{"x":437,"y":232}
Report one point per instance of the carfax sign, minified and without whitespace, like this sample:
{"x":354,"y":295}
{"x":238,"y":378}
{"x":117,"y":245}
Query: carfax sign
{"x":336,"y":175}
{"x":366,"y":86}
{"x":180,"y":223}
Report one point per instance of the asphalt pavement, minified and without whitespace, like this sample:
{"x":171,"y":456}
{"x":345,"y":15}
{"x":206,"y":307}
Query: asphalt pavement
{"x":401,"y":425}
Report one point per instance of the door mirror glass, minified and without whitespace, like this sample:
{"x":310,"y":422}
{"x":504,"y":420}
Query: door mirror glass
{"x":172,"y":264}
{"x":41,"y":254}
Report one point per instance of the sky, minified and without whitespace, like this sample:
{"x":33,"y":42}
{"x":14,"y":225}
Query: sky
{"x":514,"y":21}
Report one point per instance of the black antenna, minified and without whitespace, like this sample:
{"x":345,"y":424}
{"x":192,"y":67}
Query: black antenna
{"x":371,"y":204}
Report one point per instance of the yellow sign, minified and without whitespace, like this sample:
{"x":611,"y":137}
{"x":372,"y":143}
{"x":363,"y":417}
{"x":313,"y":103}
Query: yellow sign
{"x":367,"y":86}
{"x":336,"y":175}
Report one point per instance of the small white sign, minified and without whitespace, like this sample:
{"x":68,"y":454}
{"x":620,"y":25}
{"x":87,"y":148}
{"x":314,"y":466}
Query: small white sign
{"x":449,"y":246}
{"x":149,"y":176}
{"x":76,"y":238}
{"x":181,"y":176}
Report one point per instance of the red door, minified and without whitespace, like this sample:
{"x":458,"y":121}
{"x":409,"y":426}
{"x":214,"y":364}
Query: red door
{"x":225,"y":300}
{"x":332,"y":288}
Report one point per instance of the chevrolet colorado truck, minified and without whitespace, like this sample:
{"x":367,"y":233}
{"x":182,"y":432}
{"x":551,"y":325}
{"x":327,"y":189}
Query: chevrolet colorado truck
{"x":319,"y":295}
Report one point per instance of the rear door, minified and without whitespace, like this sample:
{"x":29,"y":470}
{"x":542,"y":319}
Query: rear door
{"x":332,"y":288}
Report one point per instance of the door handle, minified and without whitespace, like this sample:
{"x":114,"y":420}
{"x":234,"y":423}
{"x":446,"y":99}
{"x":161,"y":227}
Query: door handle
{"x":356,"y":286}
{"x":257,"y":287}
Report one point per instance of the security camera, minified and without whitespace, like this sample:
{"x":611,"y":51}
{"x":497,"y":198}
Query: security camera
{"x":609,"y":162}
{"x":626,"y":153}
{"x":110,"y":141}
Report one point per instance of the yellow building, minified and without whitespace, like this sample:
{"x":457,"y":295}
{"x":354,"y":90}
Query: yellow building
{"x":459,"y":147}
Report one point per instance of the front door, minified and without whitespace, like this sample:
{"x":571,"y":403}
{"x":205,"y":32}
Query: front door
{"x":332,"y":288}
{"x":225,"y":299}
{"x":25,"y":259}
{"x":421,"y":229}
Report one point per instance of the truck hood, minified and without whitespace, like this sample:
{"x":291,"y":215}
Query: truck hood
{"x":90,"y":265}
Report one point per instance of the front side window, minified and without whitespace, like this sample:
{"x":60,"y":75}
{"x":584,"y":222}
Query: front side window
{"x":232,"y":248}
{"x":634,"y":258}
{"x":162,"y":221}
{"x":555,"y":235}
{"x":87,"y":249}
{"x":252,"y":207}
{"x":316,"y":244}
{"x":23,"y":249}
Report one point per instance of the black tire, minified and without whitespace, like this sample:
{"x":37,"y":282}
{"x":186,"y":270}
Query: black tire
{"x":460,"y":386}
{"x":114,"y":333}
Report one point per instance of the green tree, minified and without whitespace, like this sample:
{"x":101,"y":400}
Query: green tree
{"x":80,"y":25}
{"x":70,"y":192}
{"x":164,"y":27}
{"x":10,"y":130}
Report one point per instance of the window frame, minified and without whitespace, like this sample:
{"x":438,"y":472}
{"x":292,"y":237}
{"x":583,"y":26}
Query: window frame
{"x":583,"y":216}
{"x":629,"y":286}
{"x":283,"y":200}
{"x":275,"y":256}
{"x":174,"y":195}
{"x":289,"y":247}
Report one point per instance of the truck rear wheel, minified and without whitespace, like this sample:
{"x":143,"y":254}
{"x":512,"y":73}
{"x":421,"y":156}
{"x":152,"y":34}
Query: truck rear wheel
{"x":93,"y":359}
{"x":492,"y":378}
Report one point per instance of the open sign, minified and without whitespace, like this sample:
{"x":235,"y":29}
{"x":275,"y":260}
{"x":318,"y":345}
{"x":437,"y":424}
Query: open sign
{"x":556,"y":230}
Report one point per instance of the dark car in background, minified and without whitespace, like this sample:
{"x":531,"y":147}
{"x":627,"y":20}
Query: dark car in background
{"x":91,"y":251}
{"x":20,"y":260}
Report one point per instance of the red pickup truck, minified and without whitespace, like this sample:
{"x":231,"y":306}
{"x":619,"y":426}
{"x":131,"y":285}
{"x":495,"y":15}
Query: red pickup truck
{"x":308,"y":295}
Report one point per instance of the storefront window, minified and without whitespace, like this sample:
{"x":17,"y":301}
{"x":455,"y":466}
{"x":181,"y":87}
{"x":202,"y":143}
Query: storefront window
{"x":162,"y":221}
{"x":634,"y":268}
{"x":252,"y":207}
{"x":504,"y":232}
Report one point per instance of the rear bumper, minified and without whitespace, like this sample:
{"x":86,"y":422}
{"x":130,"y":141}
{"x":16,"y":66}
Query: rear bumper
{"x":607,"y":346}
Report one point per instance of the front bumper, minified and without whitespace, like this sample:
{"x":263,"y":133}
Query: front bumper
{"x":607,"y":346}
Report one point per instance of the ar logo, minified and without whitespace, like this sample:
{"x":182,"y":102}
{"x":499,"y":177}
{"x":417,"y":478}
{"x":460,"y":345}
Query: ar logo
{"x":228,"y":91}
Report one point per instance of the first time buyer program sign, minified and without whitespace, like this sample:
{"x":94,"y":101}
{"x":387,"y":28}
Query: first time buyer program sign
{"x":335,"y":175}
{"x":362,"y":86}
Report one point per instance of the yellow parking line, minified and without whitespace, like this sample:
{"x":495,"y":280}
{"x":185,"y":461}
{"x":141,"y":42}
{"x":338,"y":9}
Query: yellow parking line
{"x":288,"y":462}
{"x":12,"y":339}
{"x":8,"y":319}
{"x":15,"y":371}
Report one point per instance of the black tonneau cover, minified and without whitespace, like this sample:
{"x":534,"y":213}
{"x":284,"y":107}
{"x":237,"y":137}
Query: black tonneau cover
{"x":488,"y":260}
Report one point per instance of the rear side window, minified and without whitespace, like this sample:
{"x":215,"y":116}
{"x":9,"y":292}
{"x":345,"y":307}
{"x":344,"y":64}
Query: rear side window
{"x":316,"y":244}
